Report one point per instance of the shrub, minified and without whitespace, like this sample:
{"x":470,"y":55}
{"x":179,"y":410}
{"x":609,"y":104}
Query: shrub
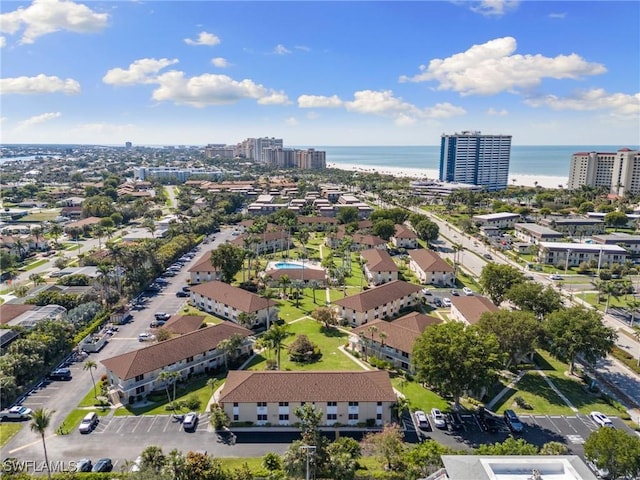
{"x":522,"y":403}
{"x":193,"y":402}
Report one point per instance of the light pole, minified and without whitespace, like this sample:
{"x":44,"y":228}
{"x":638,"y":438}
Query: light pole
{"x":311,"y":450}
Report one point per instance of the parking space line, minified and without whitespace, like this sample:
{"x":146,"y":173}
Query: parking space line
{"x":169,"y":420}
{"x":553,"y":423}
{"x":122,"y":423}
{"x":566,"y":419}
{"x":152,"y":422}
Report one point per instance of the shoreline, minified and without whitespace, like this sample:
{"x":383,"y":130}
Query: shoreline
{"x":517,"y":179}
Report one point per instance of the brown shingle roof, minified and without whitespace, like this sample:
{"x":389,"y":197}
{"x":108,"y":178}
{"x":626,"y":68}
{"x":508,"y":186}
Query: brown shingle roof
{"x":402,"y":231}
{"x":402,"y":332}
{"x":472,"y":307}
{"x":429,"y":261}
{"x":379,"y":260}
{"x":203,"y":264}
{"x":83,"y":222}
{"x":184,"y":323}
{"x":378,"y":296}
{"x":9,"y":311}
{"x":147,"y":359}
{"x":233,"y":296}
{"x":245,"y":386}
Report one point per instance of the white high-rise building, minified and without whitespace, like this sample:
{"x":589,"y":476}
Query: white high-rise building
{"x":472,"y":158}
{"x":618,"y":171}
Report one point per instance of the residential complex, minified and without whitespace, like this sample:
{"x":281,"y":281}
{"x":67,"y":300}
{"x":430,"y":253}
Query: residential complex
{"x":618,"y":171}
{"x":472,"y":158}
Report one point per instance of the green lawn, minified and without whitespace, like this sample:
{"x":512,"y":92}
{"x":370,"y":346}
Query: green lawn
{"x":208,"y":318}
{"x":537,"y":393}
{"x":332,"y":358}
{"x":419,"y":397}
{"x":8,"y":430}
{"x":45,"y":215}
{"x":35,"y":264}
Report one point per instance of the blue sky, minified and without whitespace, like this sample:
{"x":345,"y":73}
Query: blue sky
{"x":319,"y":73}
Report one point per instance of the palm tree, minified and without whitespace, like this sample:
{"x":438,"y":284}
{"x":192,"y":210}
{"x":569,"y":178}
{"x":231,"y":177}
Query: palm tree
{"x":37,"y":279}
{"x":314,"y":284}
{"x":91,"y":366}
{"x":269,"y":294}
{"x":382,"y":335}
{"x":274,"y":337}
{"x":372,"y":330}
{"x":56,"y":232}
{"x":224,"y":346}
{"x":284,"y":281}
{"x":40,"y":420}
{"x":168,"y":378}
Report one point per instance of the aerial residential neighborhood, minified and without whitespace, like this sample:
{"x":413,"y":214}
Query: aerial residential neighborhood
{"x":246,"y":314}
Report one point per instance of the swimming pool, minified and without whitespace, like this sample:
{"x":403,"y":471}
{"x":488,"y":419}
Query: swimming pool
{"x":287,"y":265}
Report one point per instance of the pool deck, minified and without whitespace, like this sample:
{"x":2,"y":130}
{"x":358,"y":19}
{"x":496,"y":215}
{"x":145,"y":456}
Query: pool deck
{"x":310,"y":265}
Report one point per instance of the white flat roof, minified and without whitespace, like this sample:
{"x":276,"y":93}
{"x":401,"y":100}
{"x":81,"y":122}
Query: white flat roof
{"x":497,"y":216}
{"x":585,"y":247}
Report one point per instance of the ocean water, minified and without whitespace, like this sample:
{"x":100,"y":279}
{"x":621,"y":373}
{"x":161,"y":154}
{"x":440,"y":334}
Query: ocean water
{"x":550,"y":161}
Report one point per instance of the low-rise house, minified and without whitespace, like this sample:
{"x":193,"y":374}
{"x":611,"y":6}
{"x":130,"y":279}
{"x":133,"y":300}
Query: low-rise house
{"x":133,"y":375}
{"x":228,"y":302}
{"x":203,"y":271}
{"x":379,"y":267}
{"x":181,"y":324}
{"x":392,"y":341}
{"x":262,"y":243}
{"x":502,"y":220}
{"x":344,"y":398}
{"x":80,"y":224}
{"x":305,"y":275}
{"x":404,"y":237}
{"x":431,"y":268}
{"x":566,"y":254}
{"x":534,"y":233}
{"x":317,"y":224}
{"x":28,"y":316}
{"x":385,"y":301}
{"x":358,"y":241}
{"x":469,"y":309}
{"x":575,"y":226}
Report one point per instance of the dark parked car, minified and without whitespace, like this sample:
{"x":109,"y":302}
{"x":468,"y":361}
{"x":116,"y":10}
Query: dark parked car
{"x":156,"y":323}
{"x":488,"y":256}
{"x":83,"y":465}
{"x":487,"y":420}
{"x":103,"y":465}
{"x":454,"y":421}
{"x":512,"y":421}
{"x":60,"y":374}
{"x":182,"y":293}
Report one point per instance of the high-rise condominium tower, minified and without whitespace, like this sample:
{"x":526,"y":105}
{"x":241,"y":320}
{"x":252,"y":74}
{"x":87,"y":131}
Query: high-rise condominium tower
{"x":618,"y":171}
{"x":469,"y":157}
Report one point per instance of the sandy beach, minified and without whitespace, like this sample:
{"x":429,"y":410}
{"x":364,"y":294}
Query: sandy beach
{"x":527,"y":180}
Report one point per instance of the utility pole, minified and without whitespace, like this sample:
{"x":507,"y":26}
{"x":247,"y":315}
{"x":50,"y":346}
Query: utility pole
{"x":311,"y":450}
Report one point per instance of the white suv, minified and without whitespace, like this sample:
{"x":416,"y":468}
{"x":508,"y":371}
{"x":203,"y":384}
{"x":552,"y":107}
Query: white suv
{"x":467,"y":291}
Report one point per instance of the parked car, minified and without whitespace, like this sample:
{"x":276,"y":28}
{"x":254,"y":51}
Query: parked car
{"x":438,"y":302}
{"x":512,"y":421}
{"x":103,"y":465}
{"x":426,"y":291}
{"x":438,"y":418}
{"x":488,"y":256}
{"x":186,"y":288}
{"x":467,"y":291}
{"x":182,"y":294}
{"x":136,"y":464}
{"x":83,"y":465}
{"x":16,"y":413}
{"x":88,"y":423}
{"x":190,"y":421}
{"x":454,"y":421}
{"x":601,"y":419}
{"x":162,"y":316}
{"x":146,"y":337}
{"x":421,"y":418}
{"x":60,"y":374}
{"x":156,"y":323}
{"x":555,"y":276}
{"x":600,"y":472}
{"x":446,"y":301}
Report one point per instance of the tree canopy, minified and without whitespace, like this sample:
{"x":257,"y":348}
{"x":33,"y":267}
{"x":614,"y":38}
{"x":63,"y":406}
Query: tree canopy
{"x":534,"y":297}
{"x":496,"y":279}
{"x":615,"y":451}
{"x":228,"y":259}
{"x":517,"y":332}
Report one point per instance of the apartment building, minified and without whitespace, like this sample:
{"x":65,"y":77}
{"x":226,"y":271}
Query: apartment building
{"x":573,"y":254}
{"x":618,"y":171}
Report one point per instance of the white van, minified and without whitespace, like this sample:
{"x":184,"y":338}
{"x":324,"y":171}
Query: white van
{"x":88,"y":423}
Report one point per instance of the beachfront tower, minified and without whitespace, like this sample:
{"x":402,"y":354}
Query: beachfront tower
{"x":469,"y":157}
{"x":618,"y":172}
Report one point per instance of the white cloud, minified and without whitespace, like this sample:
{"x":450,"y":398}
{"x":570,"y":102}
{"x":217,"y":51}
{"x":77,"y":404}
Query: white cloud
{"x":140,"y":71}
{"x":3,"y":42}
{"x":492,"y":68}
{"x":274,"y":98}
{"x":494,"y":8}
{"x":500,"y":113}
{"x":209,"y":89}
{"x":444,"y":110}
{"x":319,"y":101}
{"x":38,"y":84}
{"x":281,"y":50}
{"x":204,"y":38}
{"x":220,"y":62}
{"x":291,"y":121}
{"x":557,"y":15}
{"x":304,"y":48}
{"x":35,"y":120}
{"x":312,"y":115}
{"x":618,"y":104}
{"x":47,"y":16}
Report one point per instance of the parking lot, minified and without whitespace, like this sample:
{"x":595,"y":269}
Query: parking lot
{"x":151,"y":424}
{"x":571,"y":430}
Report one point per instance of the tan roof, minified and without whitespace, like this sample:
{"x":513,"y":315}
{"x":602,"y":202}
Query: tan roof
{"x":243,"y":386}
{"x":320,"y":219}
{"x":360,"y":239}
{"x":184,"y":323}
{"x":402,"y":231}
{"x":472,"y":307}
{"x":267,"y":236}
{"x":378,"y":296}
{"x":379,"y":260}
{"x":401,"y":332}
{"x":233,"y":296}
{"x":9,"y":311}
{"x":296,"y":274}
{"x":429,"y":261}
{"x":159,"y":355}
{"x":203,"y":264}
{"x":83,"y":222}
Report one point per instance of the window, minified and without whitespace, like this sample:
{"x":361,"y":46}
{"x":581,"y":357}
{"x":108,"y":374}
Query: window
{"x":353,"y":416}
{"x":139,"y":377}
{"x":236,"y":418}
{"x":140,"y":389}
{"x":353,"y":404}
{"x":283,"y":404}
{"x":262,"y":418}
{"x":284,"y":417}
{"x":262,"y":404}
{"x":332,"y":404}
{"x":235,"y":404}
{"x":332,"y":416}
{"x":379,"y":404}
{"x":189,"y":359}
{"x":378,"y":416}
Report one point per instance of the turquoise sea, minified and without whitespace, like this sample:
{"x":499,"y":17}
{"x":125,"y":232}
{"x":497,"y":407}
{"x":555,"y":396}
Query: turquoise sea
{"x":551,"y":161}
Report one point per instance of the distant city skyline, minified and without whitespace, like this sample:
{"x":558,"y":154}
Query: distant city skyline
{"x":318,"y":73}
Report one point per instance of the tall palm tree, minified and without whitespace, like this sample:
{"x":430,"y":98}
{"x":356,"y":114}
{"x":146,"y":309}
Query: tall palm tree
{"x":169,"y":378}
{"x":314,"y":284}
{"x":40,"y":420}
{"x":56,"y":232}
{"x":372,"y":331}
{"x":37,"y":279}
{"x":382,"y":335}
{"x":274,"y":337}
{"x":91,"y":366}
{"x":269,"y":294}
{"x":284,"y":281}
